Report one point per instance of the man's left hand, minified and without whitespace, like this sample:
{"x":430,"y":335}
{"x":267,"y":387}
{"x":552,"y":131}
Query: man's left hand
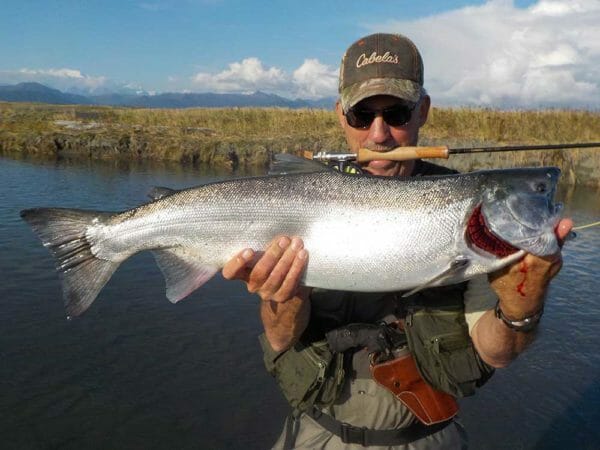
{"x":521,"y":287}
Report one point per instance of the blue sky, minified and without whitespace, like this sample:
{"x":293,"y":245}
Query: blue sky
{"x":495,"y":52}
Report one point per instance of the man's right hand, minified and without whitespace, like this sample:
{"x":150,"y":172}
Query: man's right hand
{"x":275,"y":276}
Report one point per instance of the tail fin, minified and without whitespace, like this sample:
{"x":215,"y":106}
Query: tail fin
{"x":63,"y":231}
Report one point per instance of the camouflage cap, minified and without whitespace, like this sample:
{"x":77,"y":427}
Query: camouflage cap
{"x":380,"y":64}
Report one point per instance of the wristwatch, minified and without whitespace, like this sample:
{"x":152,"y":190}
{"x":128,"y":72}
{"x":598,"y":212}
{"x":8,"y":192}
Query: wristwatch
{"x":524,"y":325}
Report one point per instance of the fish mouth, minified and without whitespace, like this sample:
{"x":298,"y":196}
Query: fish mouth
{"x":482,"y":237}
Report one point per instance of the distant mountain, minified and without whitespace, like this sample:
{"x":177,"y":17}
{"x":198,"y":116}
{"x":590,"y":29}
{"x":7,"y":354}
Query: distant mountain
{"x":322,"y":103}
{"x":35,"y":92}
{"x":209,"y":100}
{"x":188,"y":100}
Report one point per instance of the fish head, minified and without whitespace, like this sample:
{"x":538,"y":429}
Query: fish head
{"x":518,"y":208}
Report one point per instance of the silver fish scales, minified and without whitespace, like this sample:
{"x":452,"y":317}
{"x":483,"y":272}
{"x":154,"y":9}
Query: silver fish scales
{"x":363,"y":233}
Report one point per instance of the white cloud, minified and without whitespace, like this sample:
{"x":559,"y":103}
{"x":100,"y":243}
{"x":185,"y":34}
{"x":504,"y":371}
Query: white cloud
{"x":493,"y":54}
{"x":559,"y":8}
{"x":65,"y":79}
{"x":311,"y":80}
{"x":499,"y":55}
{"x":70,"y":80}
{"x":314,"y":79}
{"x":246,"y":76}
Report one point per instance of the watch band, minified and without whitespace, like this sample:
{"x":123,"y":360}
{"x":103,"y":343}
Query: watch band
{"x":524,"y":325}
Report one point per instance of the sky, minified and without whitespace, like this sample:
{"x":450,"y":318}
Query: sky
{"x":494,"y":53}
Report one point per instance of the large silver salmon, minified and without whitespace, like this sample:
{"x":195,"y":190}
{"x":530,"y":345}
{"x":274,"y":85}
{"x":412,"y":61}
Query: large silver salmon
{"x":363,"y":233}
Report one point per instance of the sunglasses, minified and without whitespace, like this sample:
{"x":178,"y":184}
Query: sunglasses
{"x":395,"y":116}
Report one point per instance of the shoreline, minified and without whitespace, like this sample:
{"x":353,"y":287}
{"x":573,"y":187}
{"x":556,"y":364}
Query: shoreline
{"x":246,"y":138}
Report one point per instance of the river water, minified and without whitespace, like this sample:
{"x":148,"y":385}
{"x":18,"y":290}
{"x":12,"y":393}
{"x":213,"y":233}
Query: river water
{"x":137,"y":372}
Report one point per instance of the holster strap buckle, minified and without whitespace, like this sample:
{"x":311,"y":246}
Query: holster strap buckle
{"x":353,"y":435}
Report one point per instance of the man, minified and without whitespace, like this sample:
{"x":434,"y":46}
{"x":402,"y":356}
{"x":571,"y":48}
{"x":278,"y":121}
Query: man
{"x":339,"y":404}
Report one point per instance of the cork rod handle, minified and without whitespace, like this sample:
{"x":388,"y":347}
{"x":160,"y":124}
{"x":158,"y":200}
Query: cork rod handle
{"x":403,"y":154}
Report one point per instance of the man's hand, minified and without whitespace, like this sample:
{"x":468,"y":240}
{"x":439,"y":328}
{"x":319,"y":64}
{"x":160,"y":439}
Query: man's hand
{"x":521,"y":289}
{"x":275,"y":276}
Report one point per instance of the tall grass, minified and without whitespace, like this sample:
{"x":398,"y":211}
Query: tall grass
{"x":537,"y":127}
{"x":248,"y":136}
{"x":473,"y":127}
{"x":464,"y":124}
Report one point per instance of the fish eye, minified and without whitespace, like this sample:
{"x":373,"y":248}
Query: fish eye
{"x":541,"y":188}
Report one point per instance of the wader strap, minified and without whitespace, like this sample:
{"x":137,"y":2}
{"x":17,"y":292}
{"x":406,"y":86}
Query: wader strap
{"x":363,"y":436}
{"x":292,"y":426}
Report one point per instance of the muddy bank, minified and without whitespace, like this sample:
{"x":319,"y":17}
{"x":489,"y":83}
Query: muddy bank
{"x":246,"y":138}
{"x":195,"y":145}
{"x":141,"y":145}
{"x":578,"y":166}
{"x":199,"y":147}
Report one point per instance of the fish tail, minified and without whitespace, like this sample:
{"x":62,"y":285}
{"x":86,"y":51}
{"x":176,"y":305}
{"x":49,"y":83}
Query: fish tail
{"x":63,"y":232}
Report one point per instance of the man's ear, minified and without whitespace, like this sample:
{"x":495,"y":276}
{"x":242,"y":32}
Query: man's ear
{"x":424,"y":106}
{"x":340,"y":114}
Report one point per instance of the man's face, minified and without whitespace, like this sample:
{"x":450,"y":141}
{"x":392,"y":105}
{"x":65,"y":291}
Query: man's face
{"x":382,"y":137}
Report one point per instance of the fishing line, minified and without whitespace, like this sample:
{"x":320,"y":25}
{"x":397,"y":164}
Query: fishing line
{"x":586,"y":226}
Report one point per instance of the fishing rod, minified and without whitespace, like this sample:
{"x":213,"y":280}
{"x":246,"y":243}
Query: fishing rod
{"x":444,"y":152}
{"x":583,"y":227}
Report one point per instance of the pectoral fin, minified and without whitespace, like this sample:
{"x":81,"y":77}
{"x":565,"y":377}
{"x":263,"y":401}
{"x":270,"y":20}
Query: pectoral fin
{"x":459,"y":264}
{"x":184,"y":272}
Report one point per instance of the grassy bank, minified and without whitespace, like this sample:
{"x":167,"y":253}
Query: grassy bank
{"x":464,"y":127}
{"x":233,"y":136}
{"x":248,"y":136}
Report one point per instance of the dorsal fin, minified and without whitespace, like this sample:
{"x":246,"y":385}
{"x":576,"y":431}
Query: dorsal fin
{"x":158,"y":192}
{"x":284,"y":163}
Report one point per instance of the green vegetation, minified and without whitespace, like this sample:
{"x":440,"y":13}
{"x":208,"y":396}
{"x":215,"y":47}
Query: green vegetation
{"x":248,"y":136}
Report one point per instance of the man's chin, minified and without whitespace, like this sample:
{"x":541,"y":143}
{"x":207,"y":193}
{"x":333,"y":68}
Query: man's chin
{"x":381,"y":167}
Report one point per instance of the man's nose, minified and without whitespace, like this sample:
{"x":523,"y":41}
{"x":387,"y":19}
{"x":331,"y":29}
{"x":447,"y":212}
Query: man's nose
{"x":379,"y":131}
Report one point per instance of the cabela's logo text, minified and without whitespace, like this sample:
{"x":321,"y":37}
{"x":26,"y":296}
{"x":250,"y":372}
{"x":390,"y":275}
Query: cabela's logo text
{"x":363,"y":60}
